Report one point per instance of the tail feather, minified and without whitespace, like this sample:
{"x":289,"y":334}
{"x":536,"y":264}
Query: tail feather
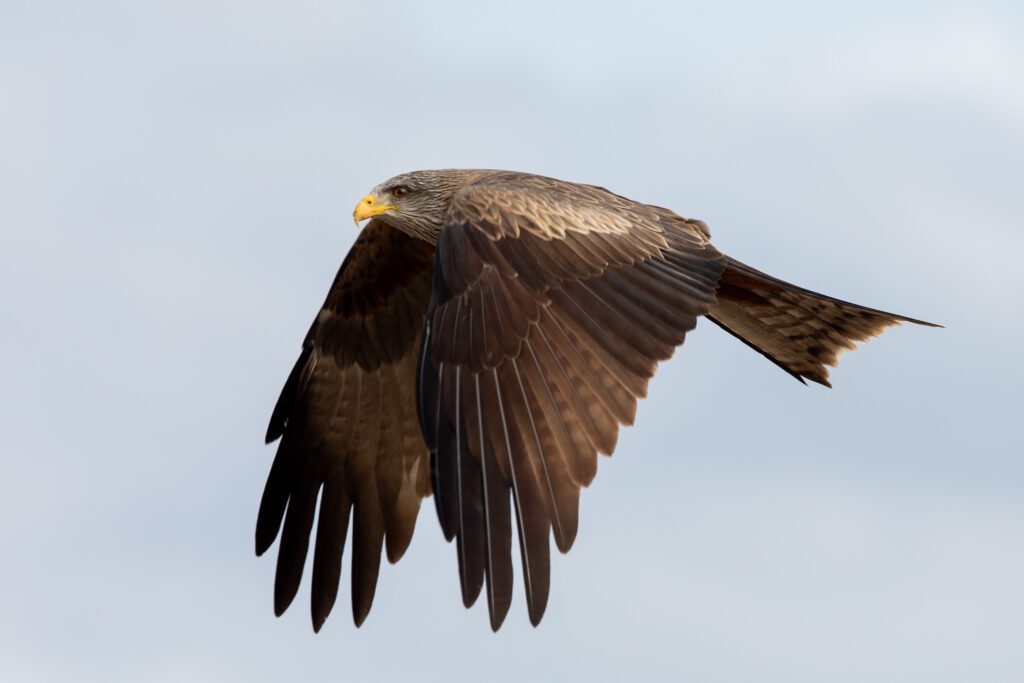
{"x":801,"y":331}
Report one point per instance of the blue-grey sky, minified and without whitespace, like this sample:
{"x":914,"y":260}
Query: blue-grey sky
{"x":176,"y":183}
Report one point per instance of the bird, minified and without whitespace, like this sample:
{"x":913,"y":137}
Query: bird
{"x":483,"y":341}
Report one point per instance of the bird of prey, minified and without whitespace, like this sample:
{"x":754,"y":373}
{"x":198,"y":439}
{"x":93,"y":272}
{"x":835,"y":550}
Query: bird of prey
{"x":484,"y":339}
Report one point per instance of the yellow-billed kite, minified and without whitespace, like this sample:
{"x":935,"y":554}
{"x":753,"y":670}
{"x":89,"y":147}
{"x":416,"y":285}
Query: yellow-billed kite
{"x":484,"y":339}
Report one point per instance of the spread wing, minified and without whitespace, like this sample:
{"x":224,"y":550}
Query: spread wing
{"x":347,"y":423}
{"x":551,"y":305}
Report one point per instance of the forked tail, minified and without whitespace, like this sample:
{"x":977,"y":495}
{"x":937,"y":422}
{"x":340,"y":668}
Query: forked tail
{"x":799,"y":330}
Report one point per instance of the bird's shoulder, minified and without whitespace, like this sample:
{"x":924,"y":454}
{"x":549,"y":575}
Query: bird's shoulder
{"x":511,"y":203}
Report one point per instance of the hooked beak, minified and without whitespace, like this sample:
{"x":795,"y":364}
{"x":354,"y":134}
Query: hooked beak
{"x":368,"y":207}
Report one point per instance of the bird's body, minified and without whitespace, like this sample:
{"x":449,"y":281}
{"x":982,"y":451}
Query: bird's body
{"x":484,"y":339}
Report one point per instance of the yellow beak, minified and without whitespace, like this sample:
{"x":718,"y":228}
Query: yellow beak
{"x":368,"y":208}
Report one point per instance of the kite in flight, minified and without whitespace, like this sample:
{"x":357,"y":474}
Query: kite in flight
{"x":484,"y":339}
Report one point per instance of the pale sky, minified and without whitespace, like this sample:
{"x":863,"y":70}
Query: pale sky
{"x":177,"y":182}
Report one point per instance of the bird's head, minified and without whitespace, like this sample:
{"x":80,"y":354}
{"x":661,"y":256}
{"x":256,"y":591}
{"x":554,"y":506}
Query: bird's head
{"x":414,"y":202}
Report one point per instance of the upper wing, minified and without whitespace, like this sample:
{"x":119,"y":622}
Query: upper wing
{"x":552,"y":304}
{"x":347,"y":419}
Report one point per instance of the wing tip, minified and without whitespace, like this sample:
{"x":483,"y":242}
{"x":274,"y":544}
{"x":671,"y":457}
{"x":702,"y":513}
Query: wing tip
{"x":565,"y":536}
{"x":394,"y":550}
{"x":272,"y":435}
{"x":277,"y":423}
{"x":498,"y":612}
{"x":470,"y":593}
{"x":536,"y":605}
{"x":281,"y":605}
{"x":359,"y":614}
{"x":266,"y":534}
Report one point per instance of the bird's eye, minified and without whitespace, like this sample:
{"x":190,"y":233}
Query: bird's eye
{"x":400,"y":191}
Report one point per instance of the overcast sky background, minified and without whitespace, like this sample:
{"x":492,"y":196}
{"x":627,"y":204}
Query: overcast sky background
{"x":176,"y":185}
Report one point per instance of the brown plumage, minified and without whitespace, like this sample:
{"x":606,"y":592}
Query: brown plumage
{"x":347,"y":422}
{"x":505,"y":324}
